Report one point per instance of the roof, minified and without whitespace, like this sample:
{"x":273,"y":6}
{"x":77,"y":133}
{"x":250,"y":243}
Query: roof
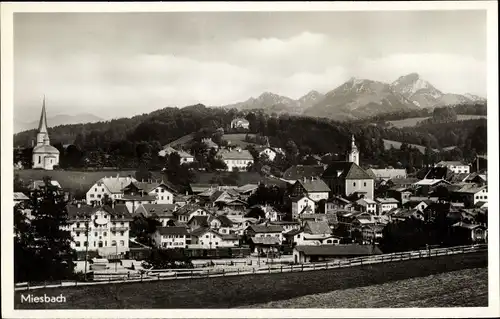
{"x":160,"y":210}
{"x":202,"y":221}
{"x":404,"y":181}
{"x":339,"y":250}
{"x":297,"y":172}
{"x":246,"y":188}
{"x":266,"y":240}
{"x":389,"y":200}
{"x":209,"y":143}
{"x":345,"y":170}
{"x":261,"y":228}
{"x":470,"y":189}
{"x":188,"y":209}
{"x":116,"y":184}
{"x":293,"y":232}
{"x":314,"y":185}
{"x":136,"y":197}
{"x":224,"y":220}
{"x":387,"y":173}
{"x":173,"y":230}
{"x":317,"y":228}
{"x":20,"y":196}
{"x":466,"y":225}
{"x":42,"y":125}
{"x":235,"y":154}
{"x":365,"y":201}
{"x":47,"y":149}
{"x":39,"y":184}
{"x":430,"y":182}
{"x":169,"y":150}
{"x":118,"y":211}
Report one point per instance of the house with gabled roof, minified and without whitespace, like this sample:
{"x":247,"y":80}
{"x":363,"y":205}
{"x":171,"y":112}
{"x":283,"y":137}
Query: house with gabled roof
{"x":465,"y":233}
{"x":302,"y":205}
{"x":348,"y":179}
{"x":470,"y":194}
{"x":206,"y":238}
{"x":185,"y":157}
{"x":164,"y":213}
{"x":186,"y":212}
{"x":133,"y":196}
{"x":171,"y":237}
{"x":110,"y":186}
{"x":385,"y":204}
{"x":314,"y":188}
{"x":307,"y":254}
{"x":366,"y":205}
{"x":456,"y":167}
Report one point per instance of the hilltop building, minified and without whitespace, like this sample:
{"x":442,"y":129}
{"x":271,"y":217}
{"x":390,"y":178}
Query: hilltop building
{"x":45,"y":156}
{"x":353,"y":155}
{"x":240,"y":123}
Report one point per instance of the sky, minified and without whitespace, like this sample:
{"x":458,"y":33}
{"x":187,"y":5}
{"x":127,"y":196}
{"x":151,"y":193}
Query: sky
{"x":121,"y":64}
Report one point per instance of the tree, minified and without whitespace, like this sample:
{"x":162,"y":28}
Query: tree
{"x":42,"y":249}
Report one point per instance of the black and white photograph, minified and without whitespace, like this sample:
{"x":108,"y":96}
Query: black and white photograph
{"x":252,"y":159}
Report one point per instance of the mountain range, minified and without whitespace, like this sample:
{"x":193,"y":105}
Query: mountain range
{"x":360,"y":98}
{"x":61,"y":119}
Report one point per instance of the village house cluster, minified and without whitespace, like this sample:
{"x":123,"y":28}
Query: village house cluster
{"x":319,"y":200}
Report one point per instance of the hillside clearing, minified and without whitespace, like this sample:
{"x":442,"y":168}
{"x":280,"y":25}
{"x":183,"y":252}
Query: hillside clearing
{"x":410,"y":122}
{"x":238,"y":139}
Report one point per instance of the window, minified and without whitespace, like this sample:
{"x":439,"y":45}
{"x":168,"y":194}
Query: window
{"x":91,"y":195}
{"x":216,"y":243}
{"x":206,"y":236}
{"x":485,"y":197}
{"x":113,"y":233}
{"x":96,"y":189}
{"x":364,"y":184}
{"x":85,"y":243}
{"x":95,"y":234}
{"x":354,"y":184}
{"x":156,"y":190}
{"x":94,"y":244}
{"x":39,"y":159}
{"x":105,"y":234}
{"x":98,"y":195}
{"x":121,"y":233}
{"x":122,"y":223}
{"x":77,"y":233}
{"x":105,"y":243}
{"x":77,"y":225}
{"x":113,"y":243}
{"x":122,"y":243}
{"x":77,"y":244}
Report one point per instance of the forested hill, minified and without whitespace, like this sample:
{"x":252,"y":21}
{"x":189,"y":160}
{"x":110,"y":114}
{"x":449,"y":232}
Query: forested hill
{"x":121,"y":137}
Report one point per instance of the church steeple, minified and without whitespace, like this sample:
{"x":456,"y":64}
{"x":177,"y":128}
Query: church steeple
{"x":42,"y":137}
{"x":42,"y":126}
{"x":353,"y":155}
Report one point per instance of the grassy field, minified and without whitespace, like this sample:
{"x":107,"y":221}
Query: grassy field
{"x":397,"y":145}
{"x":414,"y":120}
{"x":461,"y":288}
{"x":238,"y":139}
{"x":238,"y":291}
{"x":73,"y":180}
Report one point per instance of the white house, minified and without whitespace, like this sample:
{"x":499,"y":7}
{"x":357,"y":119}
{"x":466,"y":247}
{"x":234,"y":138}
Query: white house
{"x":387,"y":173}
{"x":104,"y":229}
{"x":471,"y":194}
{"x":271,"y":152}
{"x":185,"y":157}
{"x":111,"y":186}
{"x":186,"y":212}
{"x":314,"y":233}
{"x":386,"y":204}
{"x":206,"y":238}
{"x":240,"y":123}
{"x":163,"y":192}
{"x":367,"y":205}
{"x":236,"y":158}
{"x":302,"y":205}
{"x":163,"y":212}
{"x":456,"y":167}
{"x":171,"y":237}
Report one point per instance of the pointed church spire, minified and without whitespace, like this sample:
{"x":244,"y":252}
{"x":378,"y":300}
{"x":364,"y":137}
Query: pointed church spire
{"x":42,"y":126}
{"x":353,"y":143}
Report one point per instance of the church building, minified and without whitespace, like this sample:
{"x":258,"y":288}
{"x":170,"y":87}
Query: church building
{"x":45,"y":156}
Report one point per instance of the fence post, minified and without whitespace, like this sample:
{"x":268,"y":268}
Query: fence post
{"x":302,"y":267}
{"x":253,"y":270}
{"x":281,"y":267}
{"x":269,"y":268}
{"x":223,"y":272}
{"x":158,"y":276}
{"x":29,"y":285}
{"x":141,"y":276}
{"x":208,"y":273}
{"x":326,"y":265}
{"x":361,"y":262}
{"x":238,"y":270}
{"x":314,"y":266}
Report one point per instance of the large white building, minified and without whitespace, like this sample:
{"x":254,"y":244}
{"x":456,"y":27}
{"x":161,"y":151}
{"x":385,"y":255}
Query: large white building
{"x":206,"y":238}
{"x":45,"y":156}
{"x":104,"y":229}
{"x":237,"y":158}
{"x":302,"y":205}
{"x":171,"y":237}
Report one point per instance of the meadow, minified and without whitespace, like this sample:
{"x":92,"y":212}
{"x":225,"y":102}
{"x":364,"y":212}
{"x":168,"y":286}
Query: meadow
{"x":461,"y":288}
{"x":410,"y":122}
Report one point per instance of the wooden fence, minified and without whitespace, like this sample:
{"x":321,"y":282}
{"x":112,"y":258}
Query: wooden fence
{"x":172,"y":274}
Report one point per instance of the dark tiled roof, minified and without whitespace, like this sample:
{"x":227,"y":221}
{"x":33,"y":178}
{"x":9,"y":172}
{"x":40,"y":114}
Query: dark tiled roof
{"x":266,"y":240}
{"x":174,"y":230}
{"x":199,"y":231}
{"x":317,"y":227}
{"x":200,"y":220}
{"x":187,"y":209}
{"x":339,"y":250}
{"x":314,"y":185}
{"x":345,"y":170}
{"x":266,"y":229}
{"x":297,"y":172}
{"x":225,"y":222}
